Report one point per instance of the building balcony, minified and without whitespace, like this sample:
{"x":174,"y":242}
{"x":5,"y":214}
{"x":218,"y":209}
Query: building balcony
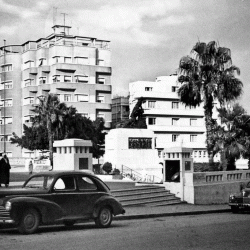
{"x":45,"y":68}
{"x":64,"y":85}
{"x":66,"y":67}
{"x":174,"y":112}
{"x":177,"y":129}
{"x":156,"y":95}
{"x":33,"y":70}
{"x":103,"y":88}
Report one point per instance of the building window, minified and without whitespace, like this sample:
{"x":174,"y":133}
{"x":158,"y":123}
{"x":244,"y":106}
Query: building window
{"x":175,"y":137}
{"x":174,"y":89}
{"x":42,"y":61}
{"x":6,"y":85}
{"x":6,"y":67}
{"x":28,"y":119}
{"x":58,"y":59}
{"x":67,"y":79}
{"x":82,"y":98}
{"x":67,"y":59}
{"x":193,"y":122}
{"x":151,"y":121}
{"x":6,"y":103}
{"x":67,"y":98}
{"x":175,"y":105}
{"x":151,"y":104}
{"x":56,"y":78}
{"x":148,"y":88}
{"x":175,"y":121}
{"x":101,"y":80}
{"x":42,"y":80}
{"x":100,"y":62}
{"x":28,"y":82}
{"x":100,"y":98}
{"x":28,"y":100}
{"x":29,"y":64}
{"x":5,"y":138}
{"x":204,"y":154}
{"x":81,"y":78}
{"x":193,"y":138}
{"x":8,"y":120}
{"x":81,"y":60}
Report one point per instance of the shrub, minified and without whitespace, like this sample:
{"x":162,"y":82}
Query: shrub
{"x":107,"y":167}
{"x":116,"y":171}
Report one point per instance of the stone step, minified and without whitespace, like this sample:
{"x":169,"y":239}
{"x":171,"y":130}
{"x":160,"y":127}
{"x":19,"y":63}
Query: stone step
{"x":143,"y":189}
{"x":148,"y":195}
{"x":141,"y":196}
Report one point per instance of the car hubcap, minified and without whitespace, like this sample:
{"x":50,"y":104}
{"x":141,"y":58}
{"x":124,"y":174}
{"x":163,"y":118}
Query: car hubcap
{"x":29,"y":221}
{"x":105,"y":216}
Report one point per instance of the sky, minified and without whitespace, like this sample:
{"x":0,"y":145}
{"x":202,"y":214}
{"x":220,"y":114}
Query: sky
{"x":148,"y":37}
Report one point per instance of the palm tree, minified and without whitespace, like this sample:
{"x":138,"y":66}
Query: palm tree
{"x":208,"y":75}
{"x":50,"y":113}
{"x":230,"y":137}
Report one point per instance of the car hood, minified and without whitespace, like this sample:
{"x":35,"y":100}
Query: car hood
{"x":21,"y":191}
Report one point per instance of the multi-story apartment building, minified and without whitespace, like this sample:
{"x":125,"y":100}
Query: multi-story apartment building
{"x":172,"y":122}
{"x":119,"y":109}
{"x":76,"y":68}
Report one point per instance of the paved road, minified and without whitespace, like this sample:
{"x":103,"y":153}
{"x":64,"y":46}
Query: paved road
{"x":210,"y":231}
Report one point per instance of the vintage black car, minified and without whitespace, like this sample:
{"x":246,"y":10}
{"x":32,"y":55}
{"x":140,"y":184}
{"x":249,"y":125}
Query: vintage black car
{"x":58,"y":197}
{"x":240,"y":200}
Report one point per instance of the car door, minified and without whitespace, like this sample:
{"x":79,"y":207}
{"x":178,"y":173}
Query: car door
{"x":88,"y":194}
{"x":65,"y":194}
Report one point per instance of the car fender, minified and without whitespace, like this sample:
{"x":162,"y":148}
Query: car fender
{"x":108,"y":201}
{"x":49,"y":211}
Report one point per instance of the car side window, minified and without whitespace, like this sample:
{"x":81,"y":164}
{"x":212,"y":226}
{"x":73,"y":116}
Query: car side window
{"x":65,"y":183}
{"x":85,"y":183}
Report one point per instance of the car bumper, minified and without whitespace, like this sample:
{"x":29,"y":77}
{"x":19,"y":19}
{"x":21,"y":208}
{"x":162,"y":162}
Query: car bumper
{"x":239,"y":204}
{"x":5,"y":216}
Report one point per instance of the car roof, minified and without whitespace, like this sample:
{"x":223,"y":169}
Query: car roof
{"x":60,"y":173}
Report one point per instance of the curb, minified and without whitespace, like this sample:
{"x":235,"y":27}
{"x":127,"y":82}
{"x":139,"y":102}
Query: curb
{"x":148,"y":216}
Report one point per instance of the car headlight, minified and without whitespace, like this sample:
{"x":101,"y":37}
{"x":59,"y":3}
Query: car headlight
{"x":8,"y":205}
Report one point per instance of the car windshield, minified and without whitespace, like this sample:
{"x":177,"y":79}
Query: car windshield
{"x":43,"y":182}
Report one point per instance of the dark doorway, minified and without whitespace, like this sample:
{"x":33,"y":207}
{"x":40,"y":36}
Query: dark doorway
{"x":172,"y":171}
{"x":83,"y":163}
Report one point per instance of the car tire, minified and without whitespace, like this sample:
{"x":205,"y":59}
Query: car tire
{"x":69,"y":223}
{"x":104,"y":218}
{"x":234,"y":209}
{"x":29,"y":221}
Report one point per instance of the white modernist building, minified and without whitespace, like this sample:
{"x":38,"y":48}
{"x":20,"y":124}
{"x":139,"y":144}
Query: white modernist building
{"x":173,"y":123}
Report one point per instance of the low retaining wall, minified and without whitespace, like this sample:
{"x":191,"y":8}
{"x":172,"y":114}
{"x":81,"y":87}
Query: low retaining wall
{"x":213,"y":187}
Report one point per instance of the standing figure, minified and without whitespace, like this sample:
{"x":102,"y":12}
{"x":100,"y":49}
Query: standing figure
{"x":1,"y":169}
{"x":30,"y":167}
{"x":4,"y":170}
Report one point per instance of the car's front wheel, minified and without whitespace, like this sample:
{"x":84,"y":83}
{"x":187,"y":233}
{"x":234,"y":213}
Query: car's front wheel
{"x":234,"y":209}
{"x":29,"y":221}
{"x":104,"y":218}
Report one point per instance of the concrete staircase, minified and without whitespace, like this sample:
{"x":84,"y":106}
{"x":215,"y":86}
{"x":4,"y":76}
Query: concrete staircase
{"x":149,"y":195}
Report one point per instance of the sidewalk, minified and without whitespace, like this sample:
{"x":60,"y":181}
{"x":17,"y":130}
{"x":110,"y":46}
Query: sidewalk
{"x":143,"y":212}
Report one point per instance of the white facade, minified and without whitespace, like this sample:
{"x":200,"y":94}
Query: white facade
{"x":172,"y":122}
{"x":124,"y":156}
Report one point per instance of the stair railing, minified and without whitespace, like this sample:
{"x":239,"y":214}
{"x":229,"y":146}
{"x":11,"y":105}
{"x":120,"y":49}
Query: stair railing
{"x":136,"y":176}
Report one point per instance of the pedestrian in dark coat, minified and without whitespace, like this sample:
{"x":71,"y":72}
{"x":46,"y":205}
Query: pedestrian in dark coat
{"x":2,"y":163}
{"x":5,"y":171}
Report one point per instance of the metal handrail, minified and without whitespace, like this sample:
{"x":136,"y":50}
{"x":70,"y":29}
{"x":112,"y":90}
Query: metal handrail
{"x":136,"y":176}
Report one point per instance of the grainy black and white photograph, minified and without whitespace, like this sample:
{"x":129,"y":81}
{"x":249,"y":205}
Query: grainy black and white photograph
{"x":124,"y":124}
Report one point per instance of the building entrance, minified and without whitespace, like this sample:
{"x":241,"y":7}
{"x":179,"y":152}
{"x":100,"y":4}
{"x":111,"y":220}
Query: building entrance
{"x":172,"y":170}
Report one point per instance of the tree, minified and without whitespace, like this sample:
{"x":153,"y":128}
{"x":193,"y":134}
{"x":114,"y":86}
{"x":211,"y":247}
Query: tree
{"x":33,"y":138}
{"x":49,"y":113}
{"x":208,"y":75}
{"x":136,"y":118}
{"x":107,"y":167}
{"x":230,"y":137}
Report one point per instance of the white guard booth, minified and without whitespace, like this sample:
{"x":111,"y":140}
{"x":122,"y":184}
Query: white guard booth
{"x":133,"y":150}
{"x":72,"y":154}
